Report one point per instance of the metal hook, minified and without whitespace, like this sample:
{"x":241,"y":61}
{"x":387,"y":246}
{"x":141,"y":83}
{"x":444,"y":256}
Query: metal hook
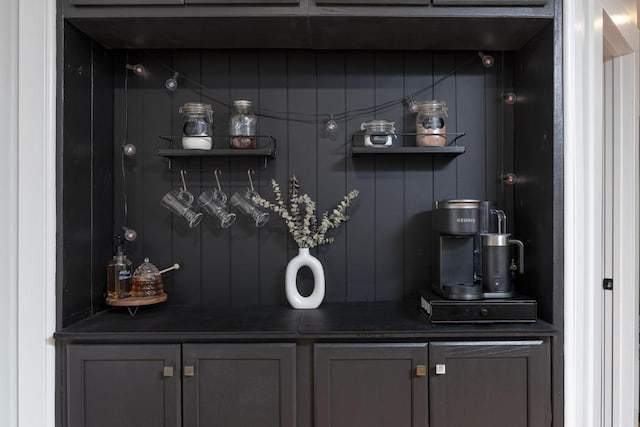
{"x":249,"y":173}
{"x":184,"y":185}
{"x":216,"y":172}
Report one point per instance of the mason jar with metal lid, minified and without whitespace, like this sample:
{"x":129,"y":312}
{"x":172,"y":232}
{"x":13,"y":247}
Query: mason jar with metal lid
{"x":243,"y":125}
{"x":431,"y":124}
{"x":378,"y":133}
{"x":197,"y":127}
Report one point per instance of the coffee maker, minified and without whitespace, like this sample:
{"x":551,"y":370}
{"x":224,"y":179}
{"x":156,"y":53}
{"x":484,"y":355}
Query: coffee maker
{"x":472,"y":251}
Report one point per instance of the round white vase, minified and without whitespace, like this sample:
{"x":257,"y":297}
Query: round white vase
{"x":304,"y":259}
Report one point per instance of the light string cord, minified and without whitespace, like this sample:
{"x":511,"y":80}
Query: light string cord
{"x":124,"y":142}
{"x":312,"y":118}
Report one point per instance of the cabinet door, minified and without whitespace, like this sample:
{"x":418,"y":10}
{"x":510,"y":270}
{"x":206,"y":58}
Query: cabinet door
{"x":231,"y":385}
{"x":509,"y":3}
{"x":122,"y":385}
{"x":123,"y":2}
{"x":370,"y":385}
{"x":499,"y":384}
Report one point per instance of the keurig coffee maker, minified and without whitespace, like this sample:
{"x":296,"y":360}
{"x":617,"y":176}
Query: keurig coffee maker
{"x":473,"y":266}
{"x":472,"y":250}
{"x":455,"y":225}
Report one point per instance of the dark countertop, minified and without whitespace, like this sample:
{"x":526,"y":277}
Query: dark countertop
{"x":354,"y":321}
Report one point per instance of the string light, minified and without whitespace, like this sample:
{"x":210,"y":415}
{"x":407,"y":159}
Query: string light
{"x":129,"y":234}
{"x":320,"y":118}
{"x":510,"y":178}
{"x":138,"y":69}
{"x":129,"y":150}
{"x":412,"y":104}
{"x":172,"y":83}
{"x":487,"y":60}
{"x":509,"y":98}
{"x":331,"y":125}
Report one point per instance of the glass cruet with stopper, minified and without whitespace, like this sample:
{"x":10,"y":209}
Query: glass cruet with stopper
{"x":119,"y":273}
{"x":146,"y":281}
{"x":431,"y":124}
{"x":243,"y":125}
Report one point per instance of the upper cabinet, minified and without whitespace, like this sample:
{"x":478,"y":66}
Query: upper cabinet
{"x":311,"y":24}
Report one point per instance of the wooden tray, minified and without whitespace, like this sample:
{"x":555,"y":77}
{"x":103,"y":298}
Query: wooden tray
{"x":136,"y":301}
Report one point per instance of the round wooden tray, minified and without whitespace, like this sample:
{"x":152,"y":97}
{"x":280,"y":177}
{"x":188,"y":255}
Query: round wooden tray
{"x":136,"y":301}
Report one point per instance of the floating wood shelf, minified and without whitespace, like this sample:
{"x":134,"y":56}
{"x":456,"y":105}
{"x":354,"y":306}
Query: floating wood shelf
{"x":452,"y":150}
{"x":217,"y":152}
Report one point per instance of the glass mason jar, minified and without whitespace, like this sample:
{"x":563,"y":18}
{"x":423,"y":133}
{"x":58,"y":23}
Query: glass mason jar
{"x":431,"y":124}
{"x":197,"y":127}
{"x":242,"y":127}
{"x":378,"y":133}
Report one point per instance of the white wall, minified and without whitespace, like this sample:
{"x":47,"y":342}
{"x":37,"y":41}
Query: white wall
{"x":583,"y":95}
{"x":8,"y":212}
{"x":27,"y":216}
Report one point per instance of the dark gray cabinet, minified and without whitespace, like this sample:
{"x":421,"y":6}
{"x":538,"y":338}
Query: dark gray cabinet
{"x":124,"y":2}
{"x":371,"y":385}
{"x":140,"y":385}
{"x":122,"y":385}
{"x":490,"y":384}
{"x":239,"y":385}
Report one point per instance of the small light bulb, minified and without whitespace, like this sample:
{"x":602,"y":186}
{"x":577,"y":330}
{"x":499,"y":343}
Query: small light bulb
{"x":331,"y":126}
{"x":138,"y":69}
{"x":129,"y":150}
{"x":509,"y":98}
{"x":129,"y":234}
{"x":487,"y":60}
{"x":172,"y":83}
{"x":510,"y":178}
{"x":413,"y":106}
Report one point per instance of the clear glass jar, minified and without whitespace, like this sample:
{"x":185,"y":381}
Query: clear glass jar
{"x":378,"y":133}
{"x":146,"y":281}
{"x":242,"y":127}
{"x":431,"y":124}
{"x":197,"y":127}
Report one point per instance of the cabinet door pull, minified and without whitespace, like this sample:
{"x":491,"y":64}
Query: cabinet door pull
{"x":168,"y":371}
{"x":421,"y":371}
{"x":189,"y":371}
{"x":441,"y":369}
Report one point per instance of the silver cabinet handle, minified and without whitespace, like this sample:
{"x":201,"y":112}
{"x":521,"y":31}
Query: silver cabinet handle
{"x":441,"y":369}
{"x":168,"y":371}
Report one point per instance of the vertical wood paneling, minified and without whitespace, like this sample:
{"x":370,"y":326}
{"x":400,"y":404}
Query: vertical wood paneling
{"x":493,"y":138}
{"x":77,"y":161}
{"x":102,"y":175}
{"x":507,"y":154}
{"x":360,"y":175}
{"x":215,"y":239}
{"x":302,"y":147}
{"x":187,"y":248}
{"x":418,"y":185}
{"x":244,"y":240}
{"x":445,"y":168}
{"x":389,"y":195}
{"x":274,"y":238}
{"x":470,"y":110}
{"x":332,"y":185}
{"x":154,"y":231}
{"x":383,"y":252}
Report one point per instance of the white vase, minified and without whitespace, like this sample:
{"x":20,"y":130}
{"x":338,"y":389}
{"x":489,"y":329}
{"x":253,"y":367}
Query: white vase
{"x":304,"y":259}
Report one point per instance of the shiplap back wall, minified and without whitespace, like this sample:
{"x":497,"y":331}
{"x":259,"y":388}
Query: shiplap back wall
{"x":383,"y":252}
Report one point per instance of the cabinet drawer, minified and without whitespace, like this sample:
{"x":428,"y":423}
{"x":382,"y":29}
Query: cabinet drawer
{"x":242,"y":2}
{"x":124,"y":2}
{"x":508,"y":3}
{"x":376,"y":2}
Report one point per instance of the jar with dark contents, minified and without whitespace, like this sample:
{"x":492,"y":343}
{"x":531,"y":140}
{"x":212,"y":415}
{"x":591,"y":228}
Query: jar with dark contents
{"x":431,"y":124}
{"x":146,"y":281}
{"x":243,"y":125}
